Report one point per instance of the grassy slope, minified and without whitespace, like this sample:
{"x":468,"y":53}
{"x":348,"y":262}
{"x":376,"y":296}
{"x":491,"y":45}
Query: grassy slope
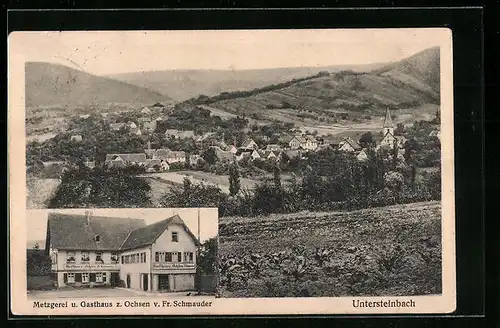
{"x":410,"y":80}
{"x":394,"y":250}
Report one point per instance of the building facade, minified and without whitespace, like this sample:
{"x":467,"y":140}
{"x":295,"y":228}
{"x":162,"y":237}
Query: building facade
{"x":96,"y":251}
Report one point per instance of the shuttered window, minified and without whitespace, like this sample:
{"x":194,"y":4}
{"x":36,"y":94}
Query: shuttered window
{"x":77,"y":277}
{"x":179,"y":257}
{"x":92,"y":277}
{"x":65,"y":278}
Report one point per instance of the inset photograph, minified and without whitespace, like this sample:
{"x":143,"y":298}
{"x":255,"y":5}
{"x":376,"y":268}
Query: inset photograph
{"x":121,"y":252}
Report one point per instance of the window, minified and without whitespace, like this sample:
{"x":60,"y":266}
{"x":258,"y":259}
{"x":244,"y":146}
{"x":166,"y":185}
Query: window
{"x":97,"y":238}
{"x":98,"y":256}
{"x":123,"y":259}
{"x":175,"y":237}
{"x":85,"y":277}
{"x":100,"y":277}
{"x":179,"y":257}
{"x":71,"y":278}
{"x":133,"y":258}
{"x":168,"y":257}
{"x":71,"y":258}
{"x":127,"y":259}
{"x":188,"y":256}
{"x":157,"y":256}
{"x":114,"y":257}
{"x":85,"y":256}
{"x":145,"y":258}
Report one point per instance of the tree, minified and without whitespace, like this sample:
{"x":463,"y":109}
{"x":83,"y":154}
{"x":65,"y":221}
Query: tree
{"x":234,"y":179}
{"x":208,"y":258}
{"x":210,"y":156}
{"x":366,"y":140}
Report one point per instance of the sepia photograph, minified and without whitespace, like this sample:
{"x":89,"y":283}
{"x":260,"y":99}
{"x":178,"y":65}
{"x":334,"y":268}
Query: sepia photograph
{"x":121,"y":252}
{"x":326,"y":156}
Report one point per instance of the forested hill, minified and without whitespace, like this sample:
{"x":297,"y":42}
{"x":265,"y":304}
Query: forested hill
{"x":54,"y":85}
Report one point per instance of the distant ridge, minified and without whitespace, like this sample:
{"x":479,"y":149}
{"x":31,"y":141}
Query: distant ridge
{"x":185,"y":84}
{"x":49,"y":84}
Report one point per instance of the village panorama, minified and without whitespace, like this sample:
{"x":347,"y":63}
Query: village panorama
{"x":327,"y":183}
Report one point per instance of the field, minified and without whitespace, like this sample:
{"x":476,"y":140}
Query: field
{"x":39,"y":191}
{"x":175,"y":178}
{"x":389,"y":251}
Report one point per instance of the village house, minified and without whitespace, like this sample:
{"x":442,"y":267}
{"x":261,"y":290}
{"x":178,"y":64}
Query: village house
{"x":87,"y":251}
{"x":176,"y":134}
{"x":136,"y":131}
{"x":148,"y":126}
{"x":124,"y":160}
{"x":156,"y":165}
{"x":249,"y":144}
{"x":117,"y":126}
{"x":348,"y":145}
{"x":273,"y":147}
{"x":131,"y":125}
{"x":306,"y":142}
{"x":170,"y":156}
{"x":270,"y":155}
{"x":193,"y":159}
{"x":145,"y":110}
{"x":243,"y":153}
{"x":362,"y":155}
{"x":76,"y":138}
{"x":296,"y":142}
{"x":435,"y":133}
{"x":222,"y":155}
{"x":89,"y":164}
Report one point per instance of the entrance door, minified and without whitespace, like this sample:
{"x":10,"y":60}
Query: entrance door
{"x":163,"y":282}
{"x":115,"y":279}
{"x":145,"y":281}
{"x":128,"y":281}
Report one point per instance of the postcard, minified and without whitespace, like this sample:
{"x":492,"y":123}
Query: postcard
{"x":231,"y":172}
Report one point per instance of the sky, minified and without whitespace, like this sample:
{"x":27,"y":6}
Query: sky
{"x":113,"y":52}
{"x":36,"y":222}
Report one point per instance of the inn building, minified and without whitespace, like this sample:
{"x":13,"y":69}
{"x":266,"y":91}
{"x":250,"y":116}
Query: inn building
{"x":93,"y":251}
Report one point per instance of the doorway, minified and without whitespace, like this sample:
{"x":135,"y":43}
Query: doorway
{"x":145,"y":282}
{"x":128,"y":281}
{"x":115,"y":279}
{"x":163,"y":284}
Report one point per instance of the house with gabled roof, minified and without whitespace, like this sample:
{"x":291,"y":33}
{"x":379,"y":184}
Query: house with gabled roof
{"x":249,"y":144}
{"x":124,"y":160}
{"x":87,"y":250}
{"x":170,"y":156}
{"x":348,"y":145}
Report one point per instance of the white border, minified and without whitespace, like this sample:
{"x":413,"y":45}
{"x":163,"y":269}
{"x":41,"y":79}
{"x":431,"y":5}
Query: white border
{"x":444,"y":303}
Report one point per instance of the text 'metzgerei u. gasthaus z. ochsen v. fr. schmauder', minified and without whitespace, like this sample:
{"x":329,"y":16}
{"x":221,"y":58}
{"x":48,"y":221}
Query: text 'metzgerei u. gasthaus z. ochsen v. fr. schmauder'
{"x":382,"y":303}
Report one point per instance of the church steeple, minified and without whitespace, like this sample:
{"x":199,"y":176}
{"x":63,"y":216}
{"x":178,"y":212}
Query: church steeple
{"x":387,"y":127}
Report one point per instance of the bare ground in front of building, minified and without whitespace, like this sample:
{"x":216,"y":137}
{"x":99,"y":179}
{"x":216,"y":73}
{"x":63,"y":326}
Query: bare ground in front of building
{"x":104,"y":292}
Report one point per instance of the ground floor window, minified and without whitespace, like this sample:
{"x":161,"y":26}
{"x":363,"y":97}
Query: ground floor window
{"x":85,"y":277}
{"x":100,"y":277}
{"x":71,"y":278}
